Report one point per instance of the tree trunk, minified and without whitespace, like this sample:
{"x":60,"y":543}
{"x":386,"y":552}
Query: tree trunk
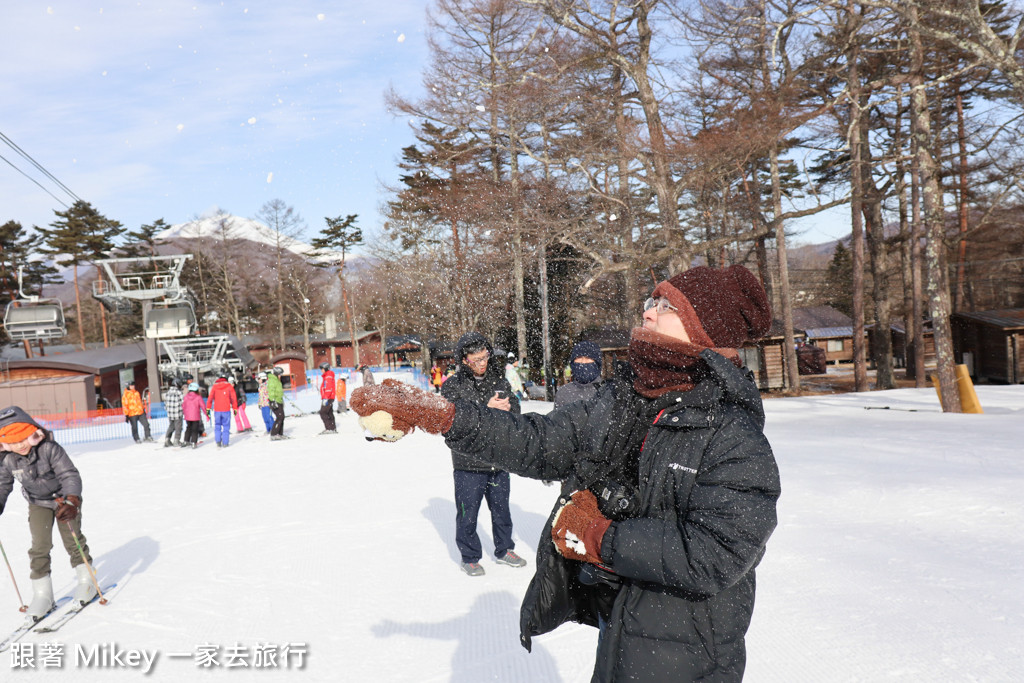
{"x":879,"y":260}
{"x":882,"y":347}
{"x":935,"y":286}
{"x":961,"y":260}
{"x":348,"y":318}
{"x":280,"y":297}
{"x":792,"y":370}
{"x":853,"y":85}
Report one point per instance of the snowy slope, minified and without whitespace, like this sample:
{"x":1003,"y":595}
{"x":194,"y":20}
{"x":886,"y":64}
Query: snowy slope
{"x":897,"y":558}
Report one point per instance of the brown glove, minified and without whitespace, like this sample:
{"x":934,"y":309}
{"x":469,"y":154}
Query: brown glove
{"x":390,"y":410}
{"x":579,"y":527}
{"x":67,"y":508}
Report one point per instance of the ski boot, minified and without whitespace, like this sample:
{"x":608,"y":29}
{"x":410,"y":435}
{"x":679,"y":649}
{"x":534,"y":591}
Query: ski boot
{"x":85,"y":590}
{"x":42,"y":598}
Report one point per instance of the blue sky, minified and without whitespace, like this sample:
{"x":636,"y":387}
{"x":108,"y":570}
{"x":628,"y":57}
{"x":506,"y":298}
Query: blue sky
{"x":165,"y":109}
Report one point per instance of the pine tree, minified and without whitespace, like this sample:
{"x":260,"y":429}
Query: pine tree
{"x":339,"y":236}
{"x":839,"y":280}
{"x":80,"y":235}
{"x":143,"y":242}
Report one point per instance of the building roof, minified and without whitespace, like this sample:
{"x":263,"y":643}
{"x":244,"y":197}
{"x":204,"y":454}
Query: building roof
{"x":318,"y":339}
{"x":90,"y":361}
{"x":403,"y":342}
{"x":813,"y":317}
{"x":1006,"y":318}
{"x":826,"y":332}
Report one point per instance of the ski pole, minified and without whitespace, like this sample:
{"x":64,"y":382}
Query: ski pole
{"x":92,"y":574}
{"x":23,"y":607}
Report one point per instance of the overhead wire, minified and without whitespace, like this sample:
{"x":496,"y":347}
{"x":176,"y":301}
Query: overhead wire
{"x":28,"y":157}
{"x":59,"y":200}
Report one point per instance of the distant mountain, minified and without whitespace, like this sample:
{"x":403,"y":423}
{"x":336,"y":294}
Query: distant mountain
{"x":238,"y":228}
{"x":251,"y":241}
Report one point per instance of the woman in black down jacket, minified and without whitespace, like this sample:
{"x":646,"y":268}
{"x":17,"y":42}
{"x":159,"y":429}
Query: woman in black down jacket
{"x":664,"y":566}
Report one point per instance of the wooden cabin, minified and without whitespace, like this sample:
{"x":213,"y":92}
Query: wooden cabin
{"x":990,"y":344}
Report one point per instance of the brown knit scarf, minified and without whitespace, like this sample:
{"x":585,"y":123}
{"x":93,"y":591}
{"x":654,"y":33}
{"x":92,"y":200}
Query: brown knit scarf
{"x":663,"y":364}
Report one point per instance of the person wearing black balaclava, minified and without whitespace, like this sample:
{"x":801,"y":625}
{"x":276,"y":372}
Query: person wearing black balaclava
{"x":585,"y":362}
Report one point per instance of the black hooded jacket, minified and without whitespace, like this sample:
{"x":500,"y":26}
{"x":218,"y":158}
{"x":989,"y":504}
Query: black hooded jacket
{"x":708,"y":485}
{"x":465,"y":386}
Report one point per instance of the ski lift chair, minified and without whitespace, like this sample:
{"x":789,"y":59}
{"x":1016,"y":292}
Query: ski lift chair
{"x":177,"y":319}
{"x":31,"y":321}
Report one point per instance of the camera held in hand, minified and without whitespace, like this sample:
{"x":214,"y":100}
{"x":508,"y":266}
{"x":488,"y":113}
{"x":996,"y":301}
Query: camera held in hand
{"x":616,"y":501}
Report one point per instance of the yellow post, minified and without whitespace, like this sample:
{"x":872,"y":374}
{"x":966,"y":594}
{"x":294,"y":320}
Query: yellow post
{"x":968,"y":397}
{"x":969,"y":402}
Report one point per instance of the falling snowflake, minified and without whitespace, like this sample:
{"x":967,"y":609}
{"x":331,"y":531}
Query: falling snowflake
{"x":481,"y":107}
{"x":612,"y":217}
{"x":270,"y":177}
{"x":321,"y":17}
{"x":181,"y":127}
{"x":252,"y":120}
{"x":401,"y":38}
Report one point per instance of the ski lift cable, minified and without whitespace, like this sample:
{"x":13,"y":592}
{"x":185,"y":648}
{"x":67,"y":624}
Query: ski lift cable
{"x":59,"y":200}
{"x":10,"y":143}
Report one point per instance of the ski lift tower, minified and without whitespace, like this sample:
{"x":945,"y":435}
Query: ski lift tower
{"x":161,"y":281}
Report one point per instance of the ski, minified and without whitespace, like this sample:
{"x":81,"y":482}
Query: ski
{"x":30,"y":623}
{"x":68,"y":615}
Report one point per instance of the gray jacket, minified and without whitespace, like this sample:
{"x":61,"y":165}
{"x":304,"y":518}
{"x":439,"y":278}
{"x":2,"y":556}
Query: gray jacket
{"x":45,"y":472}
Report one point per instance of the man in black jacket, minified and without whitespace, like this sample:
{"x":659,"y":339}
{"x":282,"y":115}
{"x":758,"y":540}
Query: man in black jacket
{"x":480,"y":379}
{"x":662,"y":559}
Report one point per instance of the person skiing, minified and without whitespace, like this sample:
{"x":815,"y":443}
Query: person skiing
{"x":175,"y":417}
{"x":669,"y":485}
{"x":481,"y":379}
{"x":275,"y":393}
{"x":194,"y":411}
{"x":135,"y":411}
{"x":585,"y":362}
{"x":223,"y":402}
{"x":327,"y":393}
{"x":241,"y":419}
{"x":263,"y":401}
{"x":52,"y":486}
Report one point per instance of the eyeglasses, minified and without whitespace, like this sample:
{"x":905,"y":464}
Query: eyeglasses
{"x":660,"y":305}
{"x":481,"y":360}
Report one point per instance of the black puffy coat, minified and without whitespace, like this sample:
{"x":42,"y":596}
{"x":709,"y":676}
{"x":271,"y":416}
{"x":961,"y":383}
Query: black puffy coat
{"x":465,"y":386}
{"x":708,"y":485}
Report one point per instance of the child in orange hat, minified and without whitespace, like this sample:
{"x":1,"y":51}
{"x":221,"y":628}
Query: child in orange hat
{"x":53,"y":488}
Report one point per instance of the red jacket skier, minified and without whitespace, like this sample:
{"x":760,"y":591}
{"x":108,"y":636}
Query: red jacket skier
{"x":327,"y":399}
{"x":224,"y":402}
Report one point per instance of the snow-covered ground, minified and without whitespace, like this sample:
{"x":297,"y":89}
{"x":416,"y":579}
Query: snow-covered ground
{"x":899,"y":557}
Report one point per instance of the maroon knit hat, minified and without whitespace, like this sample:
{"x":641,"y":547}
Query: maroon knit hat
{"x":730,"y":303}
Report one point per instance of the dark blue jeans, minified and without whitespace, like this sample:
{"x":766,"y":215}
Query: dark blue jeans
{"x":471,"y":488}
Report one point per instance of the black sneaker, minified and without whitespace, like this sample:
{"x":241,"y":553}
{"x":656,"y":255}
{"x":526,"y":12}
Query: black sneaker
{"x":472,"y":568}
{"x":511,"y":559}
